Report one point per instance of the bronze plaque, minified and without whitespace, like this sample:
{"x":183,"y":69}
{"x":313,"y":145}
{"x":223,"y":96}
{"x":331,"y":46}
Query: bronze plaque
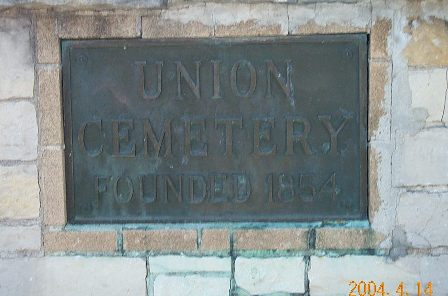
{"x":210,"y":130}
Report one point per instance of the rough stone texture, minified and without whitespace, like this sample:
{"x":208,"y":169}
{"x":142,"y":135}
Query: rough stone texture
{"x":374,"y":195}
{"x":47,"y":41}
{"x":18,"y":131}
{"x":16,"y":58}
{"x":19,"y":238}
{"x":421,"y":158}
{"x":271,"y":239}
{"x":80,"y":241}
{"x":249,"y":19}
{"x":84,"y":4}
{"x":189,"y":285}
{"x":178,"y":2}
{"x":343,"y":238}
{"x":379,"y":37}
{"x":52,"y":182}
{"x":424,"y":219}
{"x":163,"y":241}
{"x":73,"y":276}
{"x":19,"y":192}
{"x":183,"y":22}
{"x":379,"y":100}
{"x":263,"y":276}
{"x":382,"y":196}
{"x":429,"y":43}
{"x":329,"y":18}
{"x":330,"y":276}
{"x":98,"y":26}
{"x":429,"y":89}
{"x":215,"y":240}
{"x":169,"y":264}
{"x":50,"y":107}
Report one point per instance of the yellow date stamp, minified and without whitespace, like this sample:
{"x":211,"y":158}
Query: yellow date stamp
{"x":372,"y":288}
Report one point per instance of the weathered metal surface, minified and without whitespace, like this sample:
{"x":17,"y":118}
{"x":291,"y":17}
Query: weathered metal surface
{"x":260,"y":129}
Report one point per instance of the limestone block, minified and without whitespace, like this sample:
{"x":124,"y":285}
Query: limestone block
{"x":168,"y":264}
{"x":19,"y":238}
{"x":424,"y":219}
{"x":50,"y":107}
{"x":264,"y":276}
{"x":191,"y":285}
{"x":19,"y":192}
{"x":80,"y":241}
{"x":181,"y":22}
{"x":346,"y":238}
{"x":382,"y":199}
{"x":98,"y":26}
{"x":379,"y":38}
{"x":429,"y":43}
{"x":47,"y":40}
{"x":331,"y":276}
{"x":250,"y":19}
{"x":162,"y":240}
{"x":16,"y":59}
{"x":421,"y":158}
{"x":271,"y":239}
{"x":329,"y":18}
{"x":73,"y":276}
{"x":18,"y":131}
{"x":380,"y":74}
{"x":90,"y":4}
{"x":215,"y":240}
{"x":429,"y":89}
{"x":52,"y":182}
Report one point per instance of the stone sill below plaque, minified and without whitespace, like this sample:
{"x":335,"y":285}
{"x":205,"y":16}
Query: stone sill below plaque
{"x":215,"y":238}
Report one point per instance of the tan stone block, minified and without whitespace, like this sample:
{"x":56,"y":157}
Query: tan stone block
{"x":378,"y":38}
{"x":50,"y":107}
{"x":379,"y":77}
{"x":191,"y":284}
{"x":184,"y":22}
{"x":73,"y":276}
{"x":312,"y":27}
{"x":18,"y":130}
{"x":429,"y":43}
{"x":328,"y":17}
{"x":343,"y":238}
{"x":98,"y":26}
{"x":19,"y":192}
{"x":156,"y":28}
{"x":215,"y":240}
{"x":271,"y":239}
{"x":248,"y":28}
{"x":53,"y":187}
{"x":250,"y":20}
{"x":80,"y":241}
{"x":47,"y":41}
{"x":163,"y":240}
{"x":374,"y":196}
{"x":16,"y":58}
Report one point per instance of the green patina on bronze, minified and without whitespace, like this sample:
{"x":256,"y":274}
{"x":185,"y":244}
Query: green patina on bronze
{"x":216,"y":130}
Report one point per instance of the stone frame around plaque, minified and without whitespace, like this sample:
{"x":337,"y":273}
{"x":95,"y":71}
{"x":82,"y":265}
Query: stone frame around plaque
{"x":58,"y":236}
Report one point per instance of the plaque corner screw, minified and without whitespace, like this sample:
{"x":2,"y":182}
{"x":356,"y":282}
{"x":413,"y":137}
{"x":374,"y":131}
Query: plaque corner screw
{"x":348,"y":53}
{"x":82,"y":59}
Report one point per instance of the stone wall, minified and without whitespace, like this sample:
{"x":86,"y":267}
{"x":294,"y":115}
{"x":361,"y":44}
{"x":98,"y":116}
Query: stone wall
{"x":405,"y":239}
